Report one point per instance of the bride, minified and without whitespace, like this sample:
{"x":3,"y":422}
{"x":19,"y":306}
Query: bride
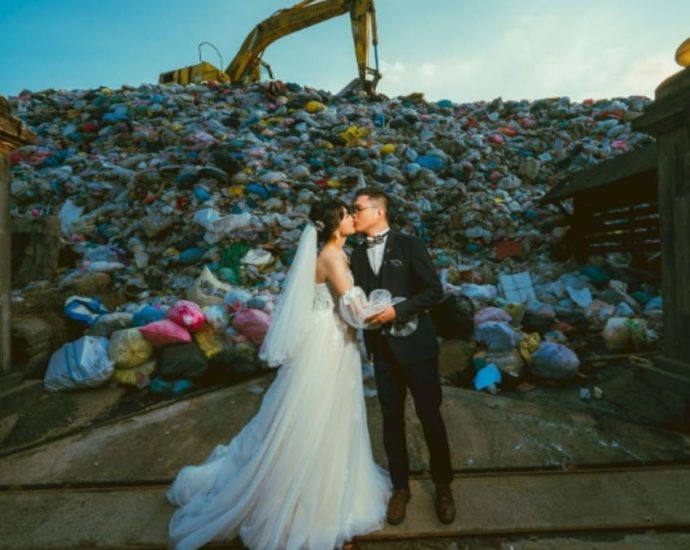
{"x":300,"y":475}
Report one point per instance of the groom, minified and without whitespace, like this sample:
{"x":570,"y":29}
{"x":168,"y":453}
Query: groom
{"x":404,"y":347}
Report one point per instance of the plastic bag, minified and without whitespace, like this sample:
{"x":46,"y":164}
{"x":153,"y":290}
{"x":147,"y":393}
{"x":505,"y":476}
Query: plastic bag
{"x":582,"y":296}
{"x":138,"y":376}
{"x":164,"y":332}
{"x":69,"y":213}
{"x":598,"y":312}
{"x":491,"y":314}
{"x":616,"y":334}
{"x":624,"y":310}
{"x":454,"y":317}
{"x":206,"y":217}
{"x":147,"y":314}
{"x":216,"y":317}
{"x":182,"y":361}
{"x":497,"y":335}
{"x":129,"y":348}
{"x":487,"y":378}
{"x":79,"y":364}
{"x":252,"y":323}
{"x":508,"y":362}
{"x":207,"y":290}
{"x":622,"y":333}
{"x":108,"y":323}
{"x":479,"y":293}
{"x":209,"y":341}
{"x":186,"y":314}
{"x":83,"y":308}
{"x":237,"y":299}
{"x":555,"y":361}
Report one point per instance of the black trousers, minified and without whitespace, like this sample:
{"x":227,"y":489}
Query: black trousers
{"x":392,"y":380}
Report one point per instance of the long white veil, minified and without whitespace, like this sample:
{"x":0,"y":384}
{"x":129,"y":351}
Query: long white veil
{"x":295,"y":303}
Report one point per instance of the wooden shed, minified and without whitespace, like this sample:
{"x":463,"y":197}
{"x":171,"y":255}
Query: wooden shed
{"x":668,"y":119}
{"x":616,"y":207}
{"x":12,"y":135}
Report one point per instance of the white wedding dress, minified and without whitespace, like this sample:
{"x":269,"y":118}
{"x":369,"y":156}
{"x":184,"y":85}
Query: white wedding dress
{"x":300,"y":475}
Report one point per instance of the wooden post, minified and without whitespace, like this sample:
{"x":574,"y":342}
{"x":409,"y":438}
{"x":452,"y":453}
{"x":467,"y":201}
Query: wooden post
{"x":12,"y":135}
{"x":668,"y":119}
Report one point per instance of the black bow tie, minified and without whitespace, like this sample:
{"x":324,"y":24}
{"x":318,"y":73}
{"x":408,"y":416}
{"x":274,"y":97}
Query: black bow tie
{"x":378,"y":239}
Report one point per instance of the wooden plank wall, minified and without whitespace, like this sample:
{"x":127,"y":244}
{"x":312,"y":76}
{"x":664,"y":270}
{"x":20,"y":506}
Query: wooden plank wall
{"x":674,"y":192}
{"x":624,"y":218}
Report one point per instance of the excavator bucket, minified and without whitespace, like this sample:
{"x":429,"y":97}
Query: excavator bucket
{"x":356,"y":85}
{"x":193,"y":74}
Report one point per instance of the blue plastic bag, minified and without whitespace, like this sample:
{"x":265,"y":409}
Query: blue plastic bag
{"x":555,"y":361}
{"x":487,"y":376}
{"x":84,"y":309}
{"x":147,"y":314}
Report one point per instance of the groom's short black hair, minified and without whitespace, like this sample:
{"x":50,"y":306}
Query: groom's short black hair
{"x":377,"y":194}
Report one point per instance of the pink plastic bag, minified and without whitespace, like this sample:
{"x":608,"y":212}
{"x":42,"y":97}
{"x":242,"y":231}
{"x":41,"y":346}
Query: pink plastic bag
{"x":161,"y":333}
{"x":187,"y":314}
{"x":252,"y":323}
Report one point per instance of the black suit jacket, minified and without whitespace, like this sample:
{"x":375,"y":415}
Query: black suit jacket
{"x":406,"y":271}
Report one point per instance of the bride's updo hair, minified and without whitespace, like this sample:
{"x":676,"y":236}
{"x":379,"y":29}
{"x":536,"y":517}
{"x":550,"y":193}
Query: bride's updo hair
{"x":326,"y":215}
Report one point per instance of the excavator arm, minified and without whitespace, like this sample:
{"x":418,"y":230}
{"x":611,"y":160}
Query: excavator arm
{"x":245,"y":66}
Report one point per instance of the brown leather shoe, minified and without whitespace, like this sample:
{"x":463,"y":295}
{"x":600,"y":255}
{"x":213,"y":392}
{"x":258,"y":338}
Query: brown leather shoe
{"x":445,"y":505}
{"x":397,"y":505}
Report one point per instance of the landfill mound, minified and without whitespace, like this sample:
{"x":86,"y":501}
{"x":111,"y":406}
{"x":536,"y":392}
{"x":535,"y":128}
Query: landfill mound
{"x":166,"y":193}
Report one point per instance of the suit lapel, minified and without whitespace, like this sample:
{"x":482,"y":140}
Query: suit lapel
{"x":385,"y":272}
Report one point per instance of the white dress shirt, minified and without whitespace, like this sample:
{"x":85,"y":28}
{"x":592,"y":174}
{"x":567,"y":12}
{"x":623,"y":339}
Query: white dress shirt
{"x":375,"y":252}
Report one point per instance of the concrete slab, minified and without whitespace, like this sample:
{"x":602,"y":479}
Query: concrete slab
{"x":485,"y":432}
{"x":43,"y":416}
{"x":609,"y":541}
{"x":523,"y":503}
{"x":487,"y":504}
{"x":73,"y":519}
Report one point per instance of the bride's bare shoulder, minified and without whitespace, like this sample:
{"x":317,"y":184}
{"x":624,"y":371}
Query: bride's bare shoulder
{"x":332,"y":257}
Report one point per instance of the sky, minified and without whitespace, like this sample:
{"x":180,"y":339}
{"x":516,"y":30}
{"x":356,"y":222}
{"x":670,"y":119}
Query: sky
{"x":460,"y":50}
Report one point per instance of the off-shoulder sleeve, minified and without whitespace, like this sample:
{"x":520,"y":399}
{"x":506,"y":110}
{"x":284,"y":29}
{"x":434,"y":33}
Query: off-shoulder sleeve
{"x":354,"y":307}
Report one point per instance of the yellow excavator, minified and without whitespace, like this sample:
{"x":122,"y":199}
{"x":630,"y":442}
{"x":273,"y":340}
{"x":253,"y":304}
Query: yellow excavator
{"x":246,"y":65}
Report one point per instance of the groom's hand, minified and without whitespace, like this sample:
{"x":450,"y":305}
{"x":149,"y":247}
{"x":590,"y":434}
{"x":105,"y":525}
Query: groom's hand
{"x":386,"y":316}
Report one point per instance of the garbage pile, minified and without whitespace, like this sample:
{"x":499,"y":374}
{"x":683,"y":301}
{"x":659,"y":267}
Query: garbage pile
{"x":197,"y":194}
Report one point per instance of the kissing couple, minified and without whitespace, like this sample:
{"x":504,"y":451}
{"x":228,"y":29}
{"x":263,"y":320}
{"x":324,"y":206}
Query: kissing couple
{"x":301,"y":474}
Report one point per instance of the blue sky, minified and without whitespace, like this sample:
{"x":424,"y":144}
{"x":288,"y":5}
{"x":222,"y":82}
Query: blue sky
{"x":457,"y":49}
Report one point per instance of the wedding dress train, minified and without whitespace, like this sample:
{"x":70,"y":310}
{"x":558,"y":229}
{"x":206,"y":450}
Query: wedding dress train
{"x":300,"y":475}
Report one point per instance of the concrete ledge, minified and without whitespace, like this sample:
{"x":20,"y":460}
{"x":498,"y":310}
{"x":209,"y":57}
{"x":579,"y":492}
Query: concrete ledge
{"x":508,"y":504}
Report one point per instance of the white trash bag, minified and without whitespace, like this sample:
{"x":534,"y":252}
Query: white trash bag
{"x":83,"y":363}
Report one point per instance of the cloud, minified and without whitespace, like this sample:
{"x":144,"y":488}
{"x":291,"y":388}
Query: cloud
{"x":439,"y":79}
{"x":647,"y":73}
{"x":394,"y":72}
{"x":538,"y":55}
{"x":427,"y":70}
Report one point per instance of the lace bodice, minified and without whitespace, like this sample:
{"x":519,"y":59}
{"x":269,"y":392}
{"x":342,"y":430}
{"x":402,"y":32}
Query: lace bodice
{"x":324,"y":297}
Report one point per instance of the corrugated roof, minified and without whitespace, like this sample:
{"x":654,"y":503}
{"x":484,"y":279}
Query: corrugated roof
{"x":610,"y":171}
